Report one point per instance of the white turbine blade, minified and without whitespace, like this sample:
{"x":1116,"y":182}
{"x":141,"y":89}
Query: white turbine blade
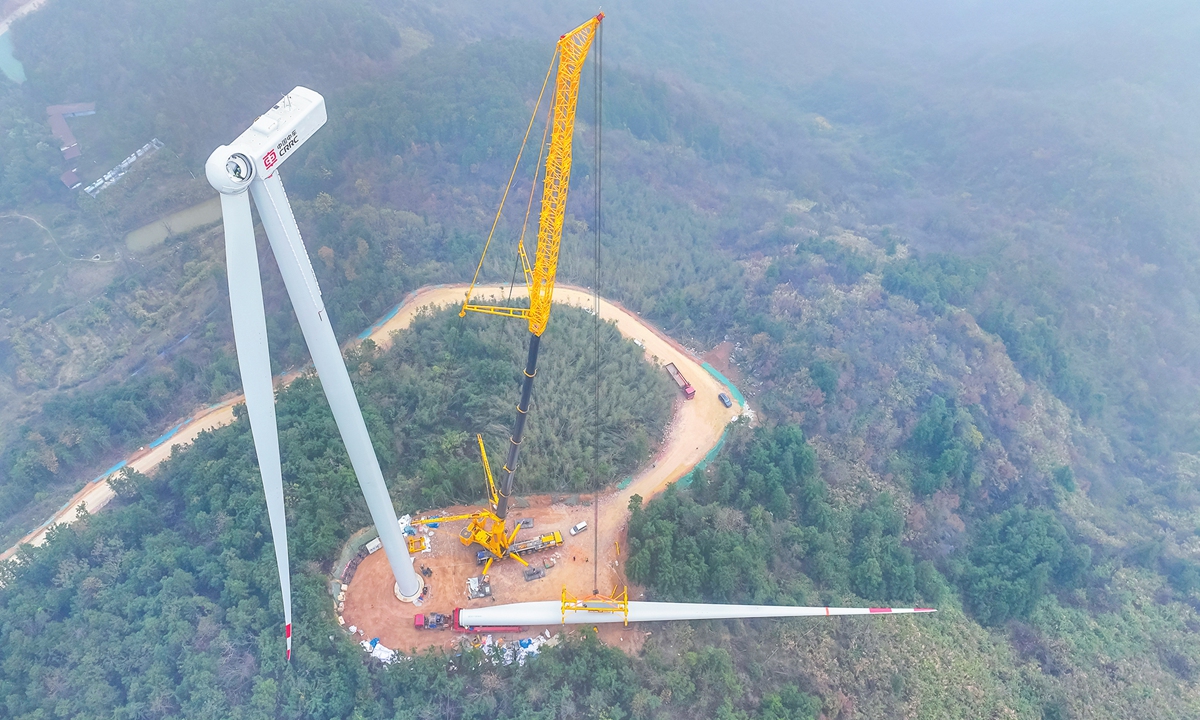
{"x":254,"y":362}
{"x":301,"y":283}
{"x":550,"y":612}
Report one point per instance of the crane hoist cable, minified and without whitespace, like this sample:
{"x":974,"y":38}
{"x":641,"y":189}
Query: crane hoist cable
{"x":598,"y":425}
{"x":511,"y":176}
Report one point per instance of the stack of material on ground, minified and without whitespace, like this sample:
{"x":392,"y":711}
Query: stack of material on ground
{"x":377,"y":650}
{"x":411,"y":531}
{"x":352,"y":566}
{"x":502,"y":653}
{"x":478,"y":588}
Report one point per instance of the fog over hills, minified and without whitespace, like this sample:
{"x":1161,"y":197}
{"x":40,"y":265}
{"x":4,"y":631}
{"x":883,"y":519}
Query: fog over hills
{"x":949,"y":250}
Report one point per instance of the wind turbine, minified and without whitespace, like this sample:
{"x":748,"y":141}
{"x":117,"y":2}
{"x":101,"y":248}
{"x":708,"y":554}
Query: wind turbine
{"x":249,"y":167}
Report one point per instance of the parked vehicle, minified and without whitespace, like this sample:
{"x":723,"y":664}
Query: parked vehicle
{"x":432,"y":621}
{"x":689,"y":392}
{"x":458,"y":627}
{"x":537,"y":544}
{"x":725,"y":400}
{"x":579,"y":528}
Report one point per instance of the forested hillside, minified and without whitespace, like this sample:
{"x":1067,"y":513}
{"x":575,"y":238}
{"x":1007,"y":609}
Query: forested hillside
{"x":168,"y":605}
{"x":952,"y":246}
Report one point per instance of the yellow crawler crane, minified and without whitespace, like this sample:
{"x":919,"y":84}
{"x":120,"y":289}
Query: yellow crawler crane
{"x":488,"y":528}
{"x":485,"y":528}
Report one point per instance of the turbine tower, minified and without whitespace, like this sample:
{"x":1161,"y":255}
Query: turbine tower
{"x":249,"y":167}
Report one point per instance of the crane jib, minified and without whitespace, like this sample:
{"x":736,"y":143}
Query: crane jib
{"x":571,"y":52}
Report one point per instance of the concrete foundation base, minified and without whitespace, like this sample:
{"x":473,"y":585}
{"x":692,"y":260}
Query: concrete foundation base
{"x":409,"y":598}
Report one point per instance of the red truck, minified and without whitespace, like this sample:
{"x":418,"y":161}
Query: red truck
{"x":689,"y":392}
{"x":432,"y":621}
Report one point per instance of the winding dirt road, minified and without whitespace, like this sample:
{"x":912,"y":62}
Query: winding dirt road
{"x":696,"y":428}
{"x":13,"y":11}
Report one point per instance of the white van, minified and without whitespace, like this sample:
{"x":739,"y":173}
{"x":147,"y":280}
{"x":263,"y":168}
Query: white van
{"x":579,"y":528}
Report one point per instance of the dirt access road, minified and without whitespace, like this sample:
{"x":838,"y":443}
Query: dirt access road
{"x":696,"y":428}
{"x":14,"y":9}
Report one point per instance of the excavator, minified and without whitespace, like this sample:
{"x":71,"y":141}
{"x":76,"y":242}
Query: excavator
{"x":488,"y":527}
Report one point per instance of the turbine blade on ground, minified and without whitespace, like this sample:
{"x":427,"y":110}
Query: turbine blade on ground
{"x":550,"y":612}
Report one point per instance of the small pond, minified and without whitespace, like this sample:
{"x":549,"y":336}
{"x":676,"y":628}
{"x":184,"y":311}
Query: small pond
{"x":9,"y":65}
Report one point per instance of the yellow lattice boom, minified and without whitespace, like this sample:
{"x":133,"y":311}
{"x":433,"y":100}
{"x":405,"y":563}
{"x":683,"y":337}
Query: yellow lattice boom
{"x":571,"y":52}
{"x":493,"y":495}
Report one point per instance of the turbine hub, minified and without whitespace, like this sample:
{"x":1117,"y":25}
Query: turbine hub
{"x":229,"y":173}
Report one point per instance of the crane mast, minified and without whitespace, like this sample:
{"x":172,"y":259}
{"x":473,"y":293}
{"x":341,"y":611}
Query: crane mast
{"x":487,"y":527}
{"x":571,"y":52}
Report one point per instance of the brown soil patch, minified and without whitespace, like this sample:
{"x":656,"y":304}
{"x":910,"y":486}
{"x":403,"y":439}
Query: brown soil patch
{"x":719,"y":357}
{"x":695,"y":429}
{"x":371,"y":605}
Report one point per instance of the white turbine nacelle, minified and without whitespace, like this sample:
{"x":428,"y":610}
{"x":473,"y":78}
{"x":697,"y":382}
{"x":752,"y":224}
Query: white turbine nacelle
{"x":244,"y":169}
{"x":263,"y":147}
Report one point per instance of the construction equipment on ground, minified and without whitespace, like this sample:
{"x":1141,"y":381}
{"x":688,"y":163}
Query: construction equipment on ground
{"x":484,"y":528}
{"x":617,"y":603}
{"x":689,"y":392}
{"x":488,"y":527}
{"x":544,"y":541}
{"x":432,"y":621}
{"x":478,"y":588}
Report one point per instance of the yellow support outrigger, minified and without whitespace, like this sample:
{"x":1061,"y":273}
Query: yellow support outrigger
{"x":617,"y":604}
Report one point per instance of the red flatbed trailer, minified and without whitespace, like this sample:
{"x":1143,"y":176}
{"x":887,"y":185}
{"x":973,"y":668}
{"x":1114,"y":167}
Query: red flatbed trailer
{"x":689,"y":392}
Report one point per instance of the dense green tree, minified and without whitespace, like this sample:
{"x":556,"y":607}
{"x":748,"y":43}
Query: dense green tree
{"x":1014,"y":559}
{"x":945,"y":440}
{"x":789,"y":704}
{"x":767,"y":508}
